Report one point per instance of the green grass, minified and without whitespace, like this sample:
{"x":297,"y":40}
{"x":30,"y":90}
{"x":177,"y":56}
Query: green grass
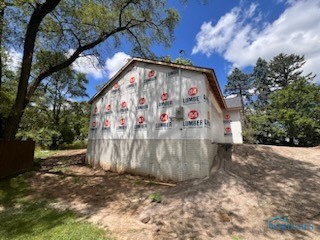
{"x":61,"y":169}
{"x":237,"y":238}
{"x":23,"y":219}
{"x":43,"y":154}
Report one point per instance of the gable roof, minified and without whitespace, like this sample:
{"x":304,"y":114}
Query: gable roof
{"x":210,"y":74}
{"x":233,"y":103}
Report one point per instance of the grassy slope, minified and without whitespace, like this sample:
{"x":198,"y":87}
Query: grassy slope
{"x":21,"y":218}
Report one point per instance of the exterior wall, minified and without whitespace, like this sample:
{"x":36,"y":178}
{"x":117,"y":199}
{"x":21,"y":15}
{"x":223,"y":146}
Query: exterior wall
{"x":164,"y":159}
{"x":216,"y":117}
{"x":158,"y":115}
{"x":232,"y":127}
{"x":133,"y":126}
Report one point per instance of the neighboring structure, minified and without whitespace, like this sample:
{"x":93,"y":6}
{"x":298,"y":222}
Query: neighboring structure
{"x":161,"y":119}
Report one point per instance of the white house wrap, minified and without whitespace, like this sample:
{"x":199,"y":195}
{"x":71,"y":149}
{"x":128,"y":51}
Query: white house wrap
{"x":161,"y":119}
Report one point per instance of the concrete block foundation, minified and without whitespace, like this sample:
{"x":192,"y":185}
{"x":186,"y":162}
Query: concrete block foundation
{"x":165,"y":159}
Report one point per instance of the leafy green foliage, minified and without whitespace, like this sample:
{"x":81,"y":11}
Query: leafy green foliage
{"x":38,"y":124}
{"x":289,"y":117}
{"x":264,"y":130}
{"x":179,"y":60}
{"x":238,"y":83}
{"x":285,"y":69}
{"x":297,"y":109}
{"x":53,"y":119}
{"x":78,"y":144}
{"x":56,"y":33}
{"x":284,"y":108}
{"x":261,"y":82}
{"x":155,"y":197}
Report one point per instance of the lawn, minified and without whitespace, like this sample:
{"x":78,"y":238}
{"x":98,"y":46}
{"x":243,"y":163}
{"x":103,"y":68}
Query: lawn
{"x":21,"y":218}
{"x":43,"y":154}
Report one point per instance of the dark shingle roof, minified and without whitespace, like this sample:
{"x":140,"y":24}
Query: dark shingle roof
{"x":234,"y":102}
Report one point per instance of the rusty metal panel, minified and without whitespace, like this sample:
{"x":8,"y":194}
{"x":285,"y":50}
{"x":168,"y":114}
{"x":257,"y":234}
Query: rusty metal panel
{"x":15,"y":156}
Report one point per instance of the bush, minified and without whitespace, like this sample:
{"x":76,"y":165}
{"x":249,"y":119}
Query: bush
{"x":155,"y":197}
{"x":76,"y":145}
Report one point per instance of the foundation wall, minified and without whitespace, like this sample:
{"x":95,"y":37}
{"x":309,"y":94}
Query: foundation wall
{"x":164,"y":159}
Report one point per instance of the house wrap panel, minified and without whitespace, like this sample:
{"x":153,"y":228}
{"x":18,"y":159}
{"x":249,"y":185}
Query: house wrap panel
{"x":133,"y":125}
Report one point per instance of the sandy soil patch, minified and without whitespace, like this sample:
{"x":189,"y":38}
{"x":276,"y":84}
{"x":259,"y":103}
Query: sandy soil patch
{"x":254,"y":184}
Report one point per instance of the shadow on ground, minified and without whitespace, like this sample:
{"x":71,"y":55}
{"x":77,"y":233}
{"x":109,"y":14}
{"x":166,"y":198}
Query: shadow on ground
{"x":254,"y":184}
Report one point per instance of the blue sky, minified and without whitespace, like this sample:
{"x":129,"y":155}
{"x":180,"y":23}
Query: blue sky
{"x":227,"y":34}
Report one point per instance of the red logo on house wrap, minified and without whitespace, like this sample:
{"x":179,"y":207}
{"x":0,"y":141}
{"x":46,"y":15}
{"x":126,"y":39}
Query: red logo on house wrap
{"x":122,"y":121}
{"x":107,"y":123}
{"x":132,"y":80}
{"x":94,"y":124}
{"x":142,"y":101}
{"x":193,"y":114}
{"x":193,"y":91}
{"x":123,"y":104}
{"x":227,"y":116}
{"x":140,"y":119}
{"x":108,"y":107}
{"x":116,"y":86}
{"x":164,"y":96}
{"x":95,"y":109}
{"x":228,"y":129}
{"x":151,"y":73}
{"x":164,"y":117}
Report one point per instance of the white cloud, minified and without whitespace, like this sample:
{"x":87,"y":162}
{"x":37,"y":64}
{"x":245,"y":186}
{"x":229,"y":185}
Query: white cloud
{"x":211,"y":39}
{"x":92,"y":66}
{"x":14,"y":59}
{"x":116,"y":62}
{"x":88,"y":65}
{"x":297,"y":30}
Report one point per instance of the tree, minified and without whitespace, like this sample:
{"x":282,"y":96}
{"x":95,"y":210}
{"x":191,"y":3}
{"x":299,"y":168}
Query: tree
{"x":52,"y":104}
{"x":286,"y":104}
{"x":261,"y":82}
{"x":238,"y":83}
{"x":179,"y":60}
{"x":264,"y":128}
{"x":73,"y":126}
{"x":285,"y":69}
{"x":298,"y":116}
{"x":2,"y":7}
{"x":76,"y":28}
{"x":60,"y":86}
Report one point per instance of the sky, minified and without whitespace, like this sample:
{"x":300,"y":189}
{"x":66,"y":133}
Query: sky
{"x":224,"y":34}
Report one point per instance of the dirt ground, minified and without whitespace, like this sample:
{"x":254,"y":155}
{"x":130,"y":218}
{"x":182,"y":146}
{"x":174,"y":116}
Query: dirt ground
{"x":254,"y":184}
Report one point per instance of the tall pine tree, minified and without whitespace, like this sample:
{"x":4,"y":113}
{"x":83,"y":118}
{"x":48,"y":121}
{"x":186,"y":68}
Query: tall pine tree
{"x":238,"y":83}
{"x":262,"y":82}
{"x":286,"y":69}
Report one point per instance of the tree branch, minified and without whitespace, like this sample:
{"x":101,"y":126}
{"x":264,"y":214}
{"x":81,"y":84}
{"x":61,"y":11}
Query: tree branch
{"x":33,"y":86}
{"x":122,"y":9}
{"x":16,"y":112}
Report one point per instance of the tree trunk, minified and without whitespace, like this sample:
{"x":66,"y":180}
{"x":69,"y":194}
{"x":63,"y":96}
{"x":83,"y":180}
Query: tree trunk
{"x":241,"y":98}
{"x":15,"y":115}
{"x":25,"y":90}
{"x":2,"y":7}
{"x":291,"y":141}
